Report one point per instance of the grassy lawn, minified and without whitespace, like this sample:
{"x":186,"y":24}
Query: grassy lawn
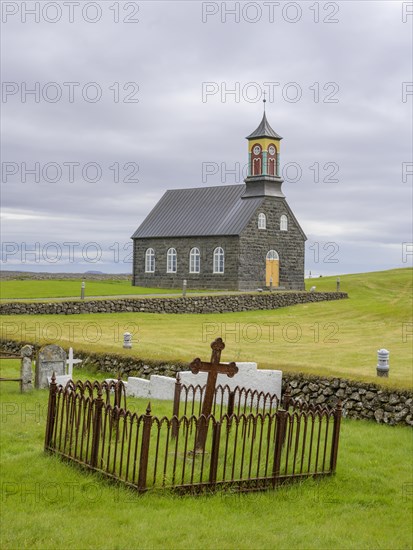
{"x":49,"y":504}
{"x":68,"y":288}
{"x":338,"y":338}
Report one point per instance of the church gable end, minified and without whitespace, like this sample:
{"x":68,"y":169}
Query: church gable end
{"x":256,"y":243}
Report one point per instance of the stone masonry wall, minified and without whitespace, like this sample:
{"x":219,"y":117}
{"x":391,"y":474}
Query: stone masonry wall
{"x":360,"y":400}
{"x":255,"y":243}
{"x":206,"y":279}
{"x":189,"y":304}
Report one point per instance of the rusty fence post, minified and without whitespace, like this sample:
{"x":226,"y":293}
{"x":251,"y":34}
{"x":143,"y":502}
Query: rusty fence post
{"x":279,"y":440}
{"x":231,"y":400}
{"x":177,"y":399}
{"x":146,"y":436}
{"x":97,"y":421}
{"x":118,"y":391}
{"x":336,"y":436}
{"x":216,"y":435}
{"x":286,"y":397}
{"x":51,"y":413}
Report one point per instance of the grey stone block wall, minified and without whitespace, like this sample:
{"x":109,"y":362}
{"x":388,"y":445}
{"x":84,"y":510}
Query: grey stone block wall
{"x":255,"y":243}
{"x":360,"y":400}
{"x":206,"y":279}
{"x":190,"y":304}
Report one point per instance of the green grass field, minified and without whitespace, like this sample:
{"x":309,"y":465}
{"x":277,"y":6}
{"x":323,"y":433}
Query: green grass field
{"x":338,"y":338}
{"x":48,"y":504}
{"x":68,"y":288}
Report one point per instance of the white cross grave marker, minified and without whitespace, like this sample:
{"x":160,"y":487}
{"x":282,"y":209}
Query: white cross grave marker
{"x":70,"y":362}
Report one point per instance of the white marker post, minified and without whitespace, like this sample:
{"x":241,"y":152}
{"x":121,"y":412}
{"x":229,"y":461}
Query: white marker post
{"x":127,"y":340}
{"x":383,"y":362}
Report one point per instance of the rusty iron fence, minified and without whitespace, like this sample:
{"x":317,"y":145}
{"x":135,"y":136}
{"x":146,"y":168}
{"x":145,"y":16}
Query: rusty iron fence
{"x":188,"y":398}
{"x":244,"y":451}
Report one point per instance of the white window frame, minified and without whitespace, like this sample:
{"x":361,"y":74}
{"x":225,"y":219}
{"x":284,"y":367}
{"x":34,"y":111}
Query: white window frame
{"x":150,"y":260}
{"x":272,"y":255}
{"x":194,"y":260}
{"x":219,"y":260}
{"x":171,"y":260}
{"x":283,"y":223}
{"x":256,"y":166}
{"x":262,"y":221}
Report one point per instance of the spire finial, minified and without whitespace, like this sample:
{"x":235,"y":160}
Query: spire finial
{"x":264,"y":100}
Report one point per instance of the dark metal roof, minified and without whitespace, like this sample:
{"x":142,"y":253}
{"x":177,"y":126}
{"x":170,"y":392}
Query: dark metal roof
{"x":264,"y":130}
{"x":200,"y":211}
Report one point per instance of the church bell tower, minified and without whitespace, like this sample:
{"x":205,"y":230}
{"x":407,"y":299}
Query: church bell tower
{"x":263,"y":162}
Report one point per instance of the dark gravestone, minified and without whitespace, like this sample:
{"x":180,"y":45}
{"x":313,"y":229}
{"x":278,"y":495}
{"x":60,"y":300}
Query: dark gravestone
{"x":50,"y":359}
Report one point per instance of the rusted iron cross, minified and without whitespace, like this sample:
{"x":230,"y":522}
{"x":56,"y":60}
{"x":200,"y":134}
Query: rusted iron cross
{"x":213,"y":369}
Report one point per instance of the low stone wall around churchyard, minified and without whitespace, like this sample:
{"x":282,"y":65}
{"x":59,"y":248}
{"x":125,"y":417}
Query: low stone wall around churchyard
{"x":360,"y":399}
{"x":189,"y":304}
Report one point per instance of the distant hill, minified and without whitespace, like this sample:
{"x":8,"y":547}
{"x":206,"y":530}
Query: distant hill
{"x":43,"y":275}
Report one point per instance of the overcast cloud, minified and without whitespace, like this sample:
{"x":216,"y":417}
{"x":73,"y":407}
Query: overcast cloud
{"x":343,"y":104}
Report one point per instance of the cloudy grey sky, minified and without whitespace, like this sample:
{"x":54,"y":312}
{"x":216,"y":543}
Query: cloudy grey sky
{"x":106,"y":105}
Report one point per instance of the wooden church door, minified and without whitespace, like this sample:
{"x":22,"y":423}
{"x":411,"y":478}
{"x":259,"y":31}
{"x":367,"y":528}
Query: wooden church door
{"x":272,"y":269}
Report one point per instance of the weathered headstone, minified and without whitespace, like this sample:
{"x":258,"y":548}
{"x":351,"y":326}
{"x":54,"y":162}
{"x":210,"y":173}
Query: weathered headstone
{"x":26,"y":367}
{"x":51,"y":358}
{"x":248,"y":376}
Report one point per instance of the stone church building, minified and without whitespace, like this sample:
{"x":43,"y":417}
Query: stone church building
{"x":233,"y":237}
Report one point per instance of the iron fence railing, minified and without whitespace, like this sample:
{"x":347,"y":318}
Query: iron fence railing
{"x":251,"y":449}
{"x":189,"y":398}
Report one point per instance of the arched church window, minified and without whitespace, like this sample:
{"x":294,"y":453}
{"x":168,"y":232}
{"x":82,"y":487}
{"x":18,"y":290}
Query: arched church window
{"x":219,"y":260}
{"x":256,"y":153}
{"x":272,"y":255}
{"x":262,"y":221}
{"x":272,"y":160}
{"x":194,"y":260}
{"x":284,"y":223}
{"x":150,"y":260}
{"x":171,"y":261}
{"x":256,"y":167}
